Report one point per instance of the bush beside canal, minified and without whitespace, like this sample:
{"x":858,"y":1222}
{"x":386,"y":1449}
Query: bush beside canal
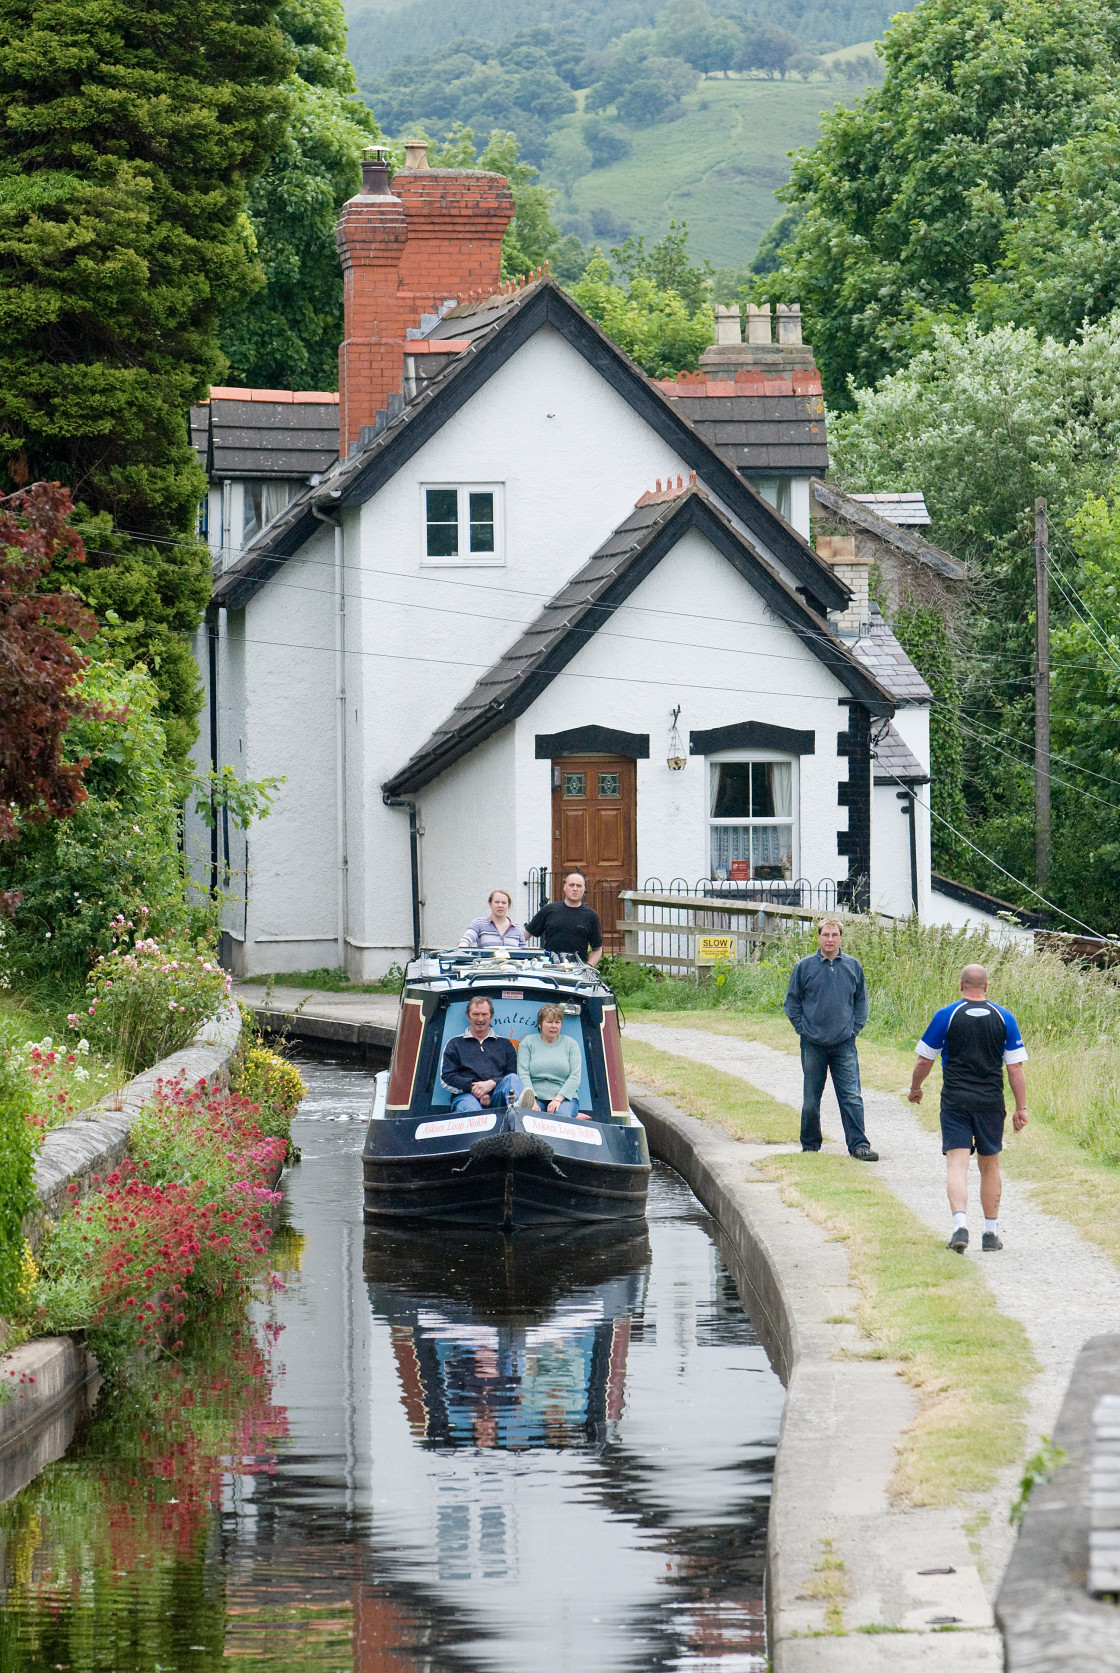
{"x":180,"y":1228}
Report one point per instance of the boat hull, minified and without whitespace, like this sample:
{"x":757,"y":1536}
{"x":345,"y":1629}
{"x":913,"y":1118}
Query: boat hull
{"x":507,"y":1178}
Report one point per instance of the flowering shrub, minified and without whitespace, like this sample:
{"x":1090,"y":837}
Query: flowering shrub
{"x":147,"y":1001}
{"x":273,"y":1084}
{"x":180,"y":1225}
{"x":60,"y":1083}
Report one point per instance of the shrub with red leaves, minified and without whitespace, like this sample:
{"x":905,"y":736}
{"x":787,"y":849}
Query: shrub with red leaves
{"x":39,"y":662}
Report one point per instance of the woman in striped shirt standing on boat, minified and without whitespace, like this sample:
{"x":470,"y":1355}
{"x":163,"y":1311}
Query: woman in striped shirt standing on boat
{"x":495,"y":928}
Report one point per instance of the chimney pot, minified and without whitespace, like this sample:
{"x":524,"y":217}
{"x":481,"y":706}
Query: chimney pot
{"x":728,"y":324}
{"x":789,"y":322}
{"x":375,"y":172}
{"x":416,"y":154}
{"x":758,"y":322}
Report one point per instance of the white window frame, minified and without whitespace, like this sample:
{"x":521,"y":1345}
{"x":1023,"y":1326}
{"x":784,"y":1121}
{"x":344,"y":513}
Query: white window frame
{"x":723,"y":757}
{"x":465,"y":558}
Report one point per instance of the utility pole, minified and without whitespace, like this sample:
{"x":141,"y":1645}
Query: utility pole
{"x":1041,"y":697}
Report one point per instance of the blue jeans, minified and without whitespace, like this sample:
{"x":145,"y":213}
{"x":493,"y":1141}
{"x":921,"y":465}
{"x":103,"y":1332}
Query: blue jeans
{"x":569,"y":1108}
{"x":817,"y":1062}
{"x":509,"y":1085}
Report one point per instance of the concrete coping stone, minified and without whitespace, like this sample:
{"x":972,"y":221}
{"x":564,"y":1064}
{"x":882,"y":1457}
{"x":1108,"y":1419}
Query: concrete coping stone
{"x":96,"y":1141}
{"x":1069,"y":1543}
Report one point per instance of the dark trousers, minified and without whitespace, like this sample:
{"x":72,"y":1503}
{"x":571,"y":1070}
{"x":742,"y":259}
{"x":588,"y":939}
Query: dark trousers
{"x":817,"y":1062}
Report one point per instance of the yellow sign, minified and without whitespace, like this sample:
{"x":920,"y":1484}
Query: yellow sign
{"x":716,"y":949}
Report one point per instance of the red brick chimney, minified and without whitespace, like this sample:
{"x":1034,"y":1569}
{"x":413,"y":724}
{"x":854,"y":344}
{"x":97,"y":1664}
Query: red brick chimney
{"x":436,"y":234}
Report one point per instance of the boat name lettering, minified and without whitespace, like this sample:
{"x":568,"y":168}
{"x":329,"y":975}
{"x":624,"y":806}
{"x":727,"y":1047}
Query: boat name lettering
{"x":562,"y":1130}
{"x":459,"y":1124}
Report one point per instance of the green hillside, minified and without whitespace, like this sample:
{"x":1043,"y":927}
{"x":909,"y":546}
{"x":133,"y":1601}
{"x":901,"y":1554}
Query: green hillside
{"x":716,"y":168}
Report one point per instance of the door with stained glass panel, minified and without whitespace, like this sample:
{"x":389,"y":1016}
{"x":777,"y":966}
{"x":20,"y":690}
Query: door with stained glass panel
{"x":594,"y":819}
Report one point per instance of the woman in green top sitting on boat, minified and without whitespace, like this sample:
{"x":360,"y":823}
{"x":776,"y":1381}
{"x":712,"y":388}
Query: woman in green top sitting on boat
{"x":550,"y":1065}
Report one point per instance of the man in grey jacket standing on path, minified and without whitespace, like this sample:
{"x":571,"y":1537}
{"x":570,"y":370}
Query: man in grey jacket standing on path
{"x":827,"y":1004}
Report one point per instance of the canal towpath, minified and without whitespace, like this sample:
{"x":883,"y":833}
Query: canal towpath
{"x":1060,"y":1288}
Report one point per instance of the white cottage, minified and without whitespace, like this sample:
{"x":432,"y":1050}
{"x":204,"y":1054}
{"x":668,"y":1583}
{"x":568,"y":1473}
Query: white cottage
{"x":479,"y":644}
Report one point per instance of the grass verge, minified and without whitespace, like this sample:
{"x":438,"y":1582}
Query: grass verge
{"x":713,"y":1096}
{"x":934,"y":1313}
{"x":920,"y":1305}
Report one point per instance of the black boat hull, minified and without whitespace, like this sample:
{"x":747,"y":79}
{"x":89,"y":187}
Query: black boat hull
{"x":506,"y":1179}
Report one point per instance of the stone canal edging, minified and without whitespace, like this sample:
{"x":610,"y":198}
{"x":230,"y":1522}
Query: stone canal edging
{"x":904,"y":1568}
{"x":46,"y":1377}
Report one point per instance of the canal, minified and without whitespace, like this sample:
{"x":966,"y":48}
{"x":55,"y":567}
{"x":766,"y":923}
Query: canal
{"x":548,"y":1455}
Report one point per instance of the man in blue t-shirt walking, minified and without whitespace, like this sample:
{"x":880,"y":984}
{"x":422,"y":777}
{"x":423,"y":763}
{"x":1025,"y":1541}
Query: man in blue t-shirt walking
{"x":977,"y":1042}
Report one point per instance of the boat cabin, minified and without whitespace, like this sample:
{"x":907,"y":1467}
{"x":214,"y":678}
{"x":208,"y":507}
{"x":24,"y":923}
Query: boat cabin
{"x":437,"y":990}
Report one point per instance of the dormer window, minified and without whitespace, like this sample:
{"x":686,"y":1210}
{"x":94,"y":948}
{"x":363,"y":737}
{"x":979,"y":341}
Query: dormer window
{"x":462,"y":523}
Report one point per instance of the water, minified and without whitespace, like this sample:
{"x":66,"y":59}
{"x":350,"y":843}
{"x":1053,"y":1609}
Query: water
{"x":548,"y":1457}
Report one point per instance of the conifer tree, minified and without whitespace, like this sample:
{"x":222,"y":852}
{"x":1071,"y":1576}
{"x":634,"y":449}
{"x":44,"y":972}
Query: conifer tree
{"x":129,"y":132}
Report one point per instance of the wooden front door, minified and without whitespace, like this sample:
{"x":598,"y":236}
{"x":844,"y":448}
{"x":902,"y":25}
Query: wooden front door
{"x":594,"y":819}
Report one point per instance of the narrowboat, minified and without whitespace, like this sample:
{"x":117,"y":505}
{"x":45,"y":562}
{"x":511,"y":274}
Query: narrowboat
{"x":506,"y":1168}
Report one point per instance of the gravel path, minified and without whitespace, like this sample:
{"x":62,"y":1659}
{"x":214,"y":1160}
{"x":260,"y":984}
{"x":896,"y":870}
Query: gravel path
{"x":1061,"y":1288}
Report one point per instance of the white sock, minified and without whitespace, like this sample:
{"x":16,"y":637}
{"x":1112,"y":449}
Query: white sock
{"x":960,"y":1220}
{"x":991,"y":1225}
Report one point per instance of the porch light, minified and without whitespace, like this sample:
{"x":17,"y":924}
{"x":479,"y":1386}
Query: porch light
{"x":678,"y":760}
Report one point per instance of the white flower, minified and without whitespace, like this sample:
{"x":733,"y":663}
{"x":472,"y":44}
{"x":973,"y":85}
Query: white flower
{"x":83,"y":1045}
{"x":81,"y":1074}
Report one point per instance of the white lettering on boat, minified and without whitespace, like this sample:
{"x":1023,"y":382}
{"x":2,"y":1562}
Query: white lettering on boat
{"x":480,"y":1123}
{"x":562,"y":1130}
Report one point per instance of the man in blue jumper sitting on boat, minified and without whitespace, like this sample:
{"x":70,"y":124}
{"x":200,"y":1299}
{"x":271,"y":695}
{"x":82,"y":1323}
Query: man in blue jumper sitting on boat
{"x":480,"y":1067}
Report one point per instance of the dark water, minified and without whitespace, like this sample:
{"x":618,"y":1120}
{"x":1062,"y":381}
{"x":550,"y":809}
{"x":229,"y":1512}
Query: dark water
{"x":551,"y":1457}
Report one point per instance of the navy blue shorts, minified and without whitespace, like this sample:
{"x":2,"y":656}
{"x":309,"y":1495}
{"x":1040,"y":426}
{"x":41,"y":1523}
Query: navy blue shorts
{"x":979,"y":1130}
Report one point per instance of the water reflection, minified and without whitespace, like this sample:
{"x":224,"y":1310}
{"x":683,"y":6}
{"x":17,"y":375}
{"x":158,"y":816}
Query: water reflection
{"x":511,"y":1343}
{"x":494,"y":1459}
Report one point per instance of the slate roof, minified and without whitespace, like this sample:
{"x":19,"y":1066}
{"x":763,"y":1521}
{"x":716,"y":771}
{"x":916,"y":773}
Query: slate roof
{"x":894,"y":760}
{"x":266,"y":433}
{"x":504,"y":322}
{"x":761,"y":425}
{"x":884,"y":658}
{"x":589,"y":599}
{"x":856,"y":510}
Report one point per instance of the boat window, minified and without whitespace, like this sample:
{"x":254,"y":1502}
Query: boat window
{"x":513,"y":1019}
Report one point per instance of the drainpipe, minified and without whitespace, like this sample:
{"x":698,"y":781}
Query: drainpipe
{"x":414,"y":856}
{"x":213,"y":632}
{"x":340,"y":726}
{"x":906,"y":797}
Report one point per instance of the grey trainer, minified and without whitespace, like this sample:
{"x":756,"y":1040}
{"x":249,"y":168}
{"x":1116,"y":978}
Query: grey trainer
{"x":959,"y":1240}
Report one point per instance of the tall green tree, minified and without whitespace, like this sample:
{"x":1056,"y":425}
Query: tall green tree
{"x":287,"y":335}
{"x":129,"y":133}
{"x":983,"y":423}
{"x":913,"y":196}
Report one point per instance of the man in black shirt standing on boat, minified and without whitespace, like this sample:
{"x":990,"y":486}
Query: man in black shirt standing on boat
{"x":567,"y":926}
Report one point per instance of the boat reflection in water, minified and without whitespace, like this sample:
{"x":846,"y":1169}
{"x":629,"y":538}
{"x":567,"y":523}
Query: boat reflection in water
{"x":577,"y":1467}
{"x":511,"y":1343}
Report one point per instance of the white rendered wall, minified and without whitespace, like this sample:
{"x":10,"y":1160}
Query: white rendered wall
{"x":911,"y":722}
{"x":799,"y":504}
{"x":288,"y":730}
{"x":891,"y":885}
{"x":957,"y":915}
{"x":470,"y":817}
{"x":695,"y":633}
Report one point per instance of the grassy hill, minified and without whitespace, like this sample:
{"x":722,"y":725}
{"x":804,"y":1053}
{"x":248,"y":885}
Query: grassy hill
{"x":716,"y":167}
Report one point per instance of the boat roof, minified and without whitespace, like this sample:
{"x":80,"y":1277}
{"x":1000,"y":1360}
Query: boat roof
{"x":490,"y":968}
